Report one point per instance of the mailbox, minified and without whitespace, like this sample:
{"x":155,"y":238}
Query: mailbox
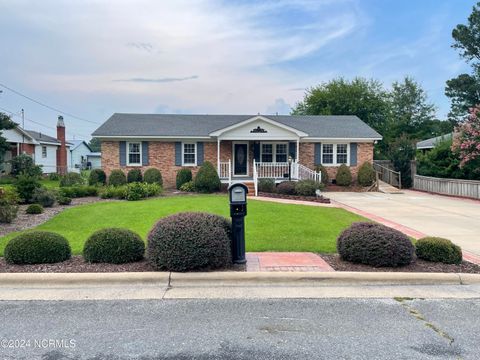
{"x":238,"y":211}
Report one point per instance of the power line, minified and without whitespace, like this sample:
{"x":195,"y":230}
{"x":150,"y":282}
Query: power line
{"x":47,"y":106}
{"x":36,"y":122}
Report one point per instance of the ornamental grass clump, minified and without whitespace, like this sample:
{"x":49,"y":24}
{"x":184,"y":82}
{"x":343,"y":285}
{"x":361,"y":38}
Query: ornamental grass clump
{"x":190,"y":241}
{"x":114,"y":245}
{"x":376,"y":245}
{"x":438,"y":250}
{"x":37,"y":247}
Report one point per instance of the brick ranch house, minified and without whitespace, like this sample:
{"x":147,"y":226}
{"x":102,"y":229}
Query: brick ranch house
{"x":242,"y":147}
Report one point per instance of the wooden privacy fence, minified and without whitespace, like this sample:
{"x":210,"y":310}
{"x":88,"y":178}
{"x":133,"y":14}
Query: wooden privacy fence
{"x":455,"y":187}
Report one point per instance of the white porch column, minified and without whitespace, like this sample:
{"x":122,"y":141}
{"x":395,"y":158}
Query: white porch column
{"x":298,"y":150}
{"x":218,"y":156}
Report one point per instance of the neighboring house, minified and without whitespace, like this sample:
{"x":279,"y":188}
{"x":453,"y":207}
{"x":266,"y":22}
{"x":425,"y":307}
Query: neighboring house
{"x":82,"y":157}
{"x":49,"y":152}
{"x":429,"y":144}
{"x":241,"y":147}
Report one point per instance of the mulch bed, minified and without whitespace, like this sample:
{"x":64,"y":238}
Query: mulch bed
{"x":75,"y":265}
{"x":417,"y":266}
{"x":320,"y":199}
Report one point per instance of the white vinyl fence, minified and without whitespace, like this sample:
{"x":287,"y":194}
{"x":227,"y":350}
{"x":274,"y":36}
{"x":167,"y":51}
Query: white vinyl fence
{"x":456,"y":187}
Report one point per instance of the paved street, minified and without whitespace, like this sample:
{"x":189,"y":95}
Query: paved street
{"x":243,"y":329}
{"x":435,"y":215}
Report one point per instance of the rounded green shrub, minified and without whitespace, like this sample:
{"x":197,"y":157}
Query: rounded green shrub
{"x":190,"y":241}
{"x":134,"y":175}
{"x":153,"y":176}
{"x":438,"y":250}
{"x":366,"y":174}
{"x":34,"y":209}
{"x":207,"y":180}
{"x":114,"y":245}
{"x":375,"y":245}
{"x":37,"y":247}
{"x":97,"y":177}
{"x":344,"y":176}
{"x":53,"y":177}
{"x":117,"y":178}
{"x":71,"y":179}
{"x":266,"y":185}
{"x":188,"y":187}
{"x":135,"y":191}
{"x":324,"y":172}
{"x":306,"y":187}
{"x":44,"y":197}
{"x":183,"y":176}
{"x":286,"y":188}
{"x":64,"y":200}
{"x":25,"y":186}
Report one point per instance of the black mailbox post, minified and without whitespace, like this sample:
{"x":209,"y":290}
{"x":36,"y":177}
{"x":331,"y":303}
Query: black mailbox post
{"x":238,"y":211}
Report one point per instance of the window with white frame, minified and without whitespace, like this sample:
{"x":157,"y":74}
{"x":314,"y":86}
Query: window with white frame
{"x":281,"y":152}
{"x":334,"y":154}
{"x":342,"y":153}
{"x":327,"y":153}
{"x":44,"y":151}
{"x":274,"y":152}
{"x":267,"y":153}
{"x":189,"y":154}
{"x":134,"y":155}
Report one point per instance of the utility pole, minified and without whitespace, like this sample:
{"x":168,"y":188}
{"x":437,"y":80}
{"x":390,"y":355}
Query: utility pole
{"x":23,"y":130}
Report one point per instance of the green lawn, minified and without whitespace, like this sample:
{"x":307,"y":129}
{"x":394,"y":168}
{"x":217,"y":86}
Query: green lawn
{"x":49,"y":184}
{"x":269,"y":226}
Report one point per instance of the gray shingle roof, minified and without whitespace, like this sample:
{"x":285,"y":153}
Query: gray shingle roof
{"x":430,"y":143}
{"x":334,"y":126}
{"x":40,"y":137}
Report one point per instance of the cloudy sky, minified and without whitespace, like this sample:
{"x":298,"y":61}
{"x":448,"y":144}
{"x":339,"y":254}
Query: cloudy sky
{"x":93,"y":58}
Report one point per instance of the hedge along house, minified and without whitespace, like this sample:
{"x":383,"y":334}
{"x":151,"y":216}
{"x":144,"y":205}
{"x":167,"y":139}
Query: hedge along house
{"x":243,"y":148}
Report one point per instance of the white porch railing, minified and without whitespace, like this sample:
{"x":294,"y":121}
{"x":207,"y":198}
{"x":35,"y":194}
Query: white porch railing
{"x":226,"y":171}
{"x":273,"y":170}
{"x":305,"y":173}
{"x":255,"y":177}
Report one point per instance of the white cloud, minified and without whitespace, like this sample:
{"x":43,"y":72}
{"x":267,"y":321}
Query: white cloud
{"x":279,"y":107}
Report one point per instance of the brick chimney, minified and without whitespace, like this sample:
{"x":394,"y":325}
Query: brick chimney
{"x":62,"y":149}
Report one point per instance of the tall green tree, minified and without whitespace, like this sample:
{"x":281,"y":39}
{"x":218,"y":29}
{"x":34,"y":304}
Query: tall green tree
{"x":95,"y":145}
{"x":464,"y":90}
{"x":362,"y":97}
{"x":5,"y":124}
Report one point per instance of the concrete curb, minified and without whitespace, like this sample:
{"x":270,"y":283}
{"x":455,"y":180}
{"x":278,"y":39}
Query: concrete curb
{"x":78,"y":279}
{"x":234,"y":279}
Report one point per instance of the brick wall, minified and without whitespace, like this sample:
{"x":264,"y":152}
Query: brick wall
{"x":364,"y":153}
{"x":161,"y":155}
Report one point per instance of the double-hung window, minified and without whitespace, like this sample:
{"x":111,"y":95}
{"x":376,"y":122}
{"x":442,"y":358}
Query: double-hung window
{"x":281,"y":152}
{"x":134,"y":155}
{"x":44,"y":151}
{"x":334,"y":154}
{"x":327,"y":153}
{"x":267,"y":152}
{"x":189,"y":154}
{"x":342,"y":153}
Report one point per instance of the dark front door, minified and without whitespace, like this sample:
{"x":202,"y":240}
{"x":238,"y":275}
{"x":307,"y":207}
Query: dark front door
{"x":240,"y":160}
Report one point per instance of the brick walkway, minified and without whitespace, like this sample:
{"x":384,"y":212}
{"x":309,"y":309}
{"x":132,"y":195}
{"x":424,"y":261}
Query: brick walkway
{"x":286,"y":261}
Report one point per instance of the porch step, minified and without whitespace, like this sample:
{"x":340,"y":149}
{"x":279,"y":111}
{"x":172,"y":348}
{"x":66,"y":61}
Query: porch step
{"x":251,"y":187}
{"x":385,"y":188}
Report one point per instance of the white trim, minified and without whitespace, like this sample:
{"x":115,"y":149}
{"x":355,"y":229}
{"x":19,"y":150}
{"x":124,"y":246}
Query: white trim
{"x":334,"y":163}
{"x":336,"y":140}
{"x":179,"y":138}
{"x":233,"y":156}
{"x":128,"y":153}
{"x":255,"y":118}
{"x":194,"y":153}
{"x":274,"y":150}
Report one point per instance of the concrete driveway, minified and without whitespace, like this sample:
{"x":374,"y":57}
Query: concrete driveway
{"x":435,"y":215}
